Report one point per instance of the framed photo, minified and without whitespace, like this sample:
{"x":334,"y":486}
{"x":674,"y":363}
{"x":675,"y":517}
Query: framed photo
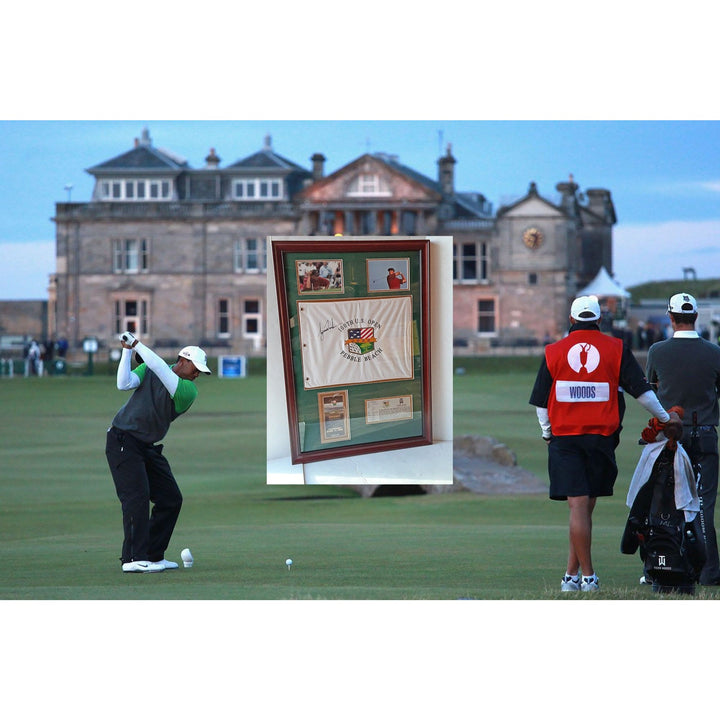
{"x":388,"y":275}
{"x":323,"y":277}
{"x":356,"y":357}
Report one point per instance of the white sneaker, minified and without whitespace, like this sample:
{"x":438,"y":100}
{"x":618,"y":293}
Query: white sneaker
{"x":167,"y":564}
{"x":569,"y":585}
{"x":142,"y":566}
{"x":590,"y":584}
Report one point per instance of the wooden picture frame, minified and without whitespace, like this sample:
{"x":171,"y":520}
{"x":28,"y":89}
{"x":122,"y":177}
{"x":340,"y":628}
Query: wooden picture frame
{"x":360,"y":344}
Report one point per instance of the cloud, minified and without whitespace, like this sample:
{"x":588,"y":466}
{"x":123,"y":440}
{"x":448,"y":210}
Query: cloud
{"x":712,"y":186}
{"x":24,"y":269}
{"x":661,"y":251}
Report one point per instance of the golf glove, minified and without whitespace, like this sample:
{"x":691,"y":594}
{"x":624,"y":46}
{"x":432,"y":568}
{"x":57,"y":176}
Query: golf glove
{"x":128,"y":338}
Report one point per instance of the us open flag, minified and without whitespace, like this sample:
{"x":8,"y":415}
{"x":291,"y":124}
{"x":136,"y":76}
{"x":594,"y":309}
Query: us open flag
{"x":347,"y":342}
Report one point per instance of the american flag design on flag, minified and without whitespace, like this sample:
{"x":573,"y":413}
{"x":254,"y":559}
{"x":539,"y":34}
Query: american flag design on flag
{"x":360,"y":340}
{"x":364,"y":334}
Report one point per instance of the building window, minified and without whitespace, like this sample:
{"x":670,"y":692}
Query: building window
{"x":130,"y":256}
{"x":485,"y":316}
{"x":135,"y":189}
{"x":470,"y":262}
{"x":368,"y":185}
{"x":223,"y":318}
{"x":256,"y":188}
{"x":131,"y":315}
{"x":532,"y":278}
{"x":252,"y":319}
{"x":250,"y":255}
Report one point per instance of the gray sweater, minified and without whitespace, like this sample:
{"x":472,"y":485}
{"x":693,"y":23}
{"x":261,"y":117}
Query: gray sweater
{"x":686,"y":370}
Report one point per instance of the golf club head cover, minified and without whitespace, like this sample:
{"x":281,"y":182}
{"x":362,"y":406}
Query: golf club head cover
{"x":672,"y":429}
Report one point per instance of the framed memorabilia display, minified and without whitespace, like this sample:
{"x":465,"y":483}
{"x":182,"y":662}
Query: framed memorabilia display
{"x":354,"y":326}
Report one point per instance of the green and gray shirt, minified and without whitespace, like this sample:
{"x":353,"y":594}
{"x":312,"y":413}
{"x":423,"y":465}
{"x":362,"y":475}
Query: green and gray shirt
{"x":159,"y":396}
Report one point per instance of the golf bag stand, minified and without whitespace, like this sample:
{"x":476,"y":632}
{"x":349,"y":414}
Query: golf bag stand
{"x":672,"y":549}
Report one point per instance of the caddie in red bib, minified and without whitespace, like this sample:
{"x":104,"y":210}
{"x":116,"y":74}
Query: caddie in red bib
{"x":585,"y":367}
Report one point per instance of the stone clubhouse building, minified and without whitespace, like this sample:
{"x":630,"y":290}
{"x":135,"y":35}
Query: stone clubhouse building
{"x":178,"y":254}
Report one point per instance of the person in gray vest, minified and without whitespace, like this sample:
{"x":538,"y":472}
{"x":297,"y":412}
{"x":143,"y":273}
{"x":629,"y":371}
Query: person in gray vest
{"x":141,"y":473}
{"x":685,"y":369}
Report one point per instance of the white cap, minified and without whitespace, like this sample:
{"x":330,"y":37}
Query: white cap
{"x":197,"y":357}
{"x":585,"y":308}
{"x":683,"y":304}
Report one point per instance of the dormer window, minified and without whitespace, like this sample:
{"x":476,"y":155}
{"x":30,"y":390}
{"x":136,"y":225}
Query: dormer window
{"x":134,"y":190}
{"x":368,"y":185}
{"x":249,"y":189}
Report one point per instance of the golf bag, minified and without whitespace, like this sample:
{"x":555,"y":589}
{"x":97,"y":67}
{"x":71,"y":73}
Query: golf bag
{"x":671,"y":548}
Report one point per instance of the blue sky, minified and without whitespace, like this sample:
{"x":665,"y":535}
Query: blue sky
{"x":664,"y":176}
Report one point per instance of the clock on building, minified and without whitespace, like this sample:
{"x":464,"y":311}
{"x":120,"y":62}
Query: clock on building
{"x":533,"y":238}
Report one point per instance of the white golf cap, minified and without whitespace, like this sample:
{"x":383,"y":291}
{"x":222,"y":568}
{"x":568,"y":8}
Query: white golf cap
{"x":682,"y":303}
{"x":585,"y":308}
{"x":197,"y":357}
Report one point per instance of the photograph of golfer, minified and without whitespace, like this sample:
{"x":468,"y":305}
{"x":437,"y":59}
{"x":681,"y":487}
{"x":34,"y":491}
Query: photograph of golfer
{"x":388,"y":274}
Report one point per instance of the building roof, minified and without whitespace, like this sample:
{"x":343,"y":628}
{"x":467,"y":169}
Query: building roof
{"x":393,"y":162}
{"x":266,"y":159}
{"x":143,"y":157}
{"x":531,"y":193}
{"x":465,"y":205}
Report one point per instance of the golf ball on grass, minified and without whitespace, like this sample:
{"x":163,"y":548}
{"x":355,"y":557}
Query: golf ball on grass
{"x":288,"y":562}
{"x":187,"y":558}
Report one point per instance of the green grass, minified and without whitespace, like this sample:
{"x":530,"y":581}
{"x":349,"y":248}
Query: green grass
{"x":60,"y":521}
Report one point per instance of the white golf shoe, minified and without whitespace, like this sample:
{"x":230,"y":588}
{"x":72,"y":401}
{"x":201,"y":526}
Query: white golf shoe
{"x":142,"y":566}
{"x":569,"y":585}
{"x":167,"y":564}
{"x":590,"y":584}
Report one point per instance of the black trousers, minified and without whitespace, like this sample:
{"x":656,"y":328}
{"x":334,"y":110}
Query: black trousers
{"x":705,"y":451}
{"x":142,"y":476}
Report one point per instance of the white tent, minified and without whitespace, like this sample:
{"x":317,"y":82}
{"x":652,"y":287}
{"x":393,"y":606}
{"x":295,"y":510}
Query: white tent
{"x":604,"y":286}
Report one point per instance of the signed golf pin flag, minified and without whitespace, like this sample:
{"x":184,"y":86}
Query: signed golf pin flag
{"x":348,"y":342}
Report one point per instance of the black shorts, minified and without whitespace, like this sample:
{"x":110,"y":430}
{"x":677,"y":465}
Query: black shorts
{"x":581,"y":465}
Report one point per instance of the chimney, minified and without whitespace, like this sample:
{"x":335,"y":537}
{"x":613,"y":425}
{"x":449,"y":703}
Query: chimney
{"x":446,"y":172}
{"x":145,"y":138}
{"x":600,"y":202}
{"x":268,"y":143}
{"x":318,"y":161}
{"x":212,"y":161}
{"x":568,"y":200}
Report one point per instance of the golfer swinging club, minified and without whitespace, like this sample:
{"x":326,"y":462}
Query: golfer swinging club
{"x":139,"y":470}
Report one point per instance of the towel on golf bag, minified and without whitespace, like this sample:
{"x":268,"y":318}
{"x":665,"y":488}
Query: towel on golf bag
{"x":686,"y":496}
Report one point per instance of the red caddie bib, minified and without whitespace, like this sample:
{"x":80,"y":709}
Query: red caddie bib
{"x":585,"y":368}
